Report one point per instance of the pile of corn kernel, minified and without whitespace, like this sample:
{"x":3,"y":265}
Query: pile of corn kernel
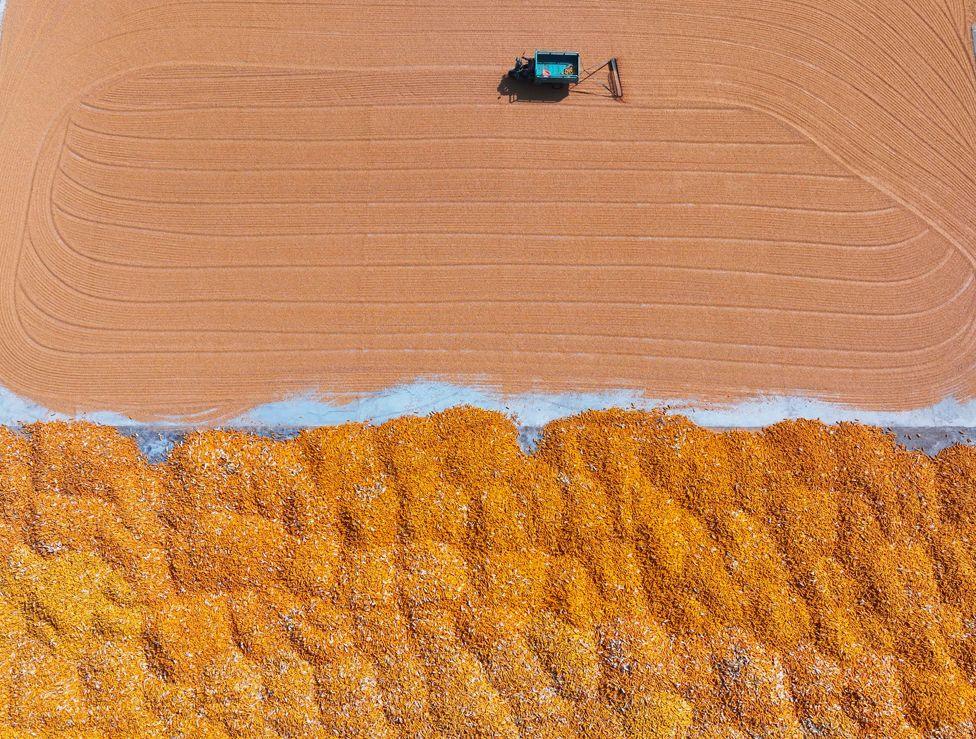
{"x":637,"y":576}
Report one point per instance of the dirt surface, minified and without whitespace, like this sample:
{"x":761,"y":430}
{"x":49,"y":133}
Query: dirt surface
{"x":637,"y":576}
{"x":204,"y":205}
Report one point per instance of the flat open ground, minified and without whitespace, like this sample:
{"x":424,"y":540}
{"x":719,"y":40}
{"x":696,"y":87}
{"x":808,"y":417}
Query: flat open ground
{"x":204,"y":205}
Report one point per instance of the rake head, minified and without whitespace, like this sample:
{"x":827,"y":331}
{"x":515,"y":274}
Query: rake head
{"x":616,"y":88}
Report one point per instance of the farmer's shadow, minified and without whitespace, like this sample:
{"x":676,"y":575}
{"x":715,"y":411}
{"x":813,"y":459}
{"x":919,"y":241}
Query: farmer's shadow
{"x":522,"y":91}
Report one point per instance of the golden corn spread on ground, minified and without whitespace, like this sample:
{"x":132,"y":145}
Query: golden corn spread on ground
{"x":637,"y":576}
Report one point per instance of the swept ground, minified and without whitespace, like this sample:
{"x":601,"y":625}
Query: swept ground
{"x":204,"y":205}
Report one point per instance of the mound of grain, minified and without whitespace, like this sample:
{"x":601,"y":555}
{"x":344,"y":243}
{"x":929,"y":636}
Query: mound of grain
{"x":637,"y":577}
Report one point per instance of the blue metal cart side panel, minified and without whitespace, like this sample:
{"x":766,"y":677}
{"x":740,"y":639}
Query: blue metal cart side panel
{"x":555,"y":62}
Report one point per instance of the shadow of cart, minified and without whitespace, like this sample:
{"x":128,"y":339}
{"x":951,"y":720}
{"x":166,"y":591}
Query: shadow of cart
{"x":520,"y":91}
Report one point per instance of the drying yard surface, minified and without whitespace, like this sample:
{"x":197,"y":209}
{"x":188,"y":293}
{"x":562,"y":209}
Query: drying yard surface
{"x":206,"y":204}
{"x":637,"y":577}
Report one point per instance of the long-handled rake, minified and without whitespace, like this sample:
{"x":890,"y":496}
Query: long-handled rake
{"x":614,"y":85}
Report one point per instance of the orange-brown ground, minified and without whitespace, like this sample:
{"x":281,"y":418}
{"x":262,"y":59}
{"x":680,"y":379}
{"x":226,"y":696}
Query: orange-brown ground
{"x":206,"y":204}
{"x":637,"y":577}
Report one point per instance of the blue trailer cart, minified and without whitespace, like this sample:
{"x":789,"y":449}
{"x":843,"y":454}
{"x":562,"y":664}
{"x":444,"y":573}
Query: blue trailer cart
{"x":561,"y":69}
{"x":548,"y":68}
{"x":556,"y":67}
